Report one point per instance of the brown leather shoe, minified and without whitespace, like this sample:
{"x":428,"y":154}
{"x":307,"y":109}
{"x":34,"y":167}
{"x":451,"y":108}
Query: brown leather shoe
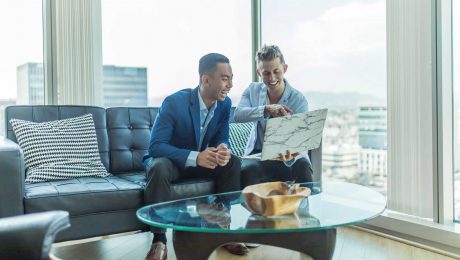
{"x":236,"y":248}
{"x":158,"y":251}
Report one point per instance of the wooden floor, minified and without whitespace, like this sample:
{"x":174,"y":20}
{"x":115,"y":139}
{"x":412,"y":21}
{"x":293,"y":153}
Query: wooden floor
{"x":351,"y":244}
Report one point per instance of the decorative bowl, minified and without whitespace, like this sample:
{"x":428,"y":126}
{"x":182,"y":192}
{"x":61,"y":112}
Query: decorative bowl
{"x":274,"y":198}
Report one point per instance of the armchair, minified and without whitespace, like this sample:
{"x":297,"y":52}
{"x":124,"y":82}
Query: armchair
{"x":30,"y":236}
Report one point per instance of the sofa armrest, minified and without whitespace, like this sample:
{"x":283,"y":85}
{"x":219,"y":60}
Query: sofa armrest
{"x":30,"y":236}
{"x":12,"y":175}
{"x":316,"y":162}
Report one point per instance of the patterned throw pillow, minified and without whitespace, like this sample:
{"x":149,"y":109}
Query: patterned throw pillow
{"x":58,"y":150}
{"x":239,"y":135}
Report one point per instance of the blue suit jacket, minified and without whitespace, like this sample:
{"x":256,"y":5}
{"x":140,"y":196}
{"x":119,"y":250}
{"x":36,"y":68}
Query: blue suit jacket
{"x":176,"y":130}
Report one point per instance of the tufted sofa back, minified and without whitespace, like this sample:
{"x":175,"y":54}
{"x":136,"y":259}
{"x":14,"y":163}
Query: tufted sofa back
{"x":123,"y":133}
{"x":129,"y":134}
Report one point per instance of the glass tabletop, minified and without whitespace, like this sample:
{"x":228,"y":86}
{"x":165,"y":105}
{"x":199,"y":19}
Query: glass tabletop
{"x":330,"y":205}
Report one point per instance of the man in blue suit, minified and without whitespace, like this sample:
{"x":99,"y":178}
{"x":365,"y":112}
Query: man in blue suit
{"x":190,"y":138}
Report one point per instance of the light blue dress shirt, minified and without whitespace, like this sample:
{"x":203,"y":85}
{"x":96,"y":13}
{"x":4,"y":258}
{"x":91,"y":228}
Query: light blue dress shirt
{"x":205,"y":117}
{"x":251,"y":109}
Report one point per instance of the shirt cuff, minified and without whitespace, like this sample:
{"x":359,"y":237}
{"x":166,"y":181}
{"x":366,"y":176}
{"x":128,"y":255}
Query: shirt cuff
{"x":191,"y":159}
{"x":290,"y":162}
{"x":260,"y":110}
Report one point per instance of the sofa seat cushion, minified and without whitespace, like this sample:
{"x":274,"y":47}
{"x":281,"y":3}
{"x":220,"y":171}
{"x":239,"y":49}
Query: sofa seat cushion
{"x":182,"y":189}
{"x":84,"y":195}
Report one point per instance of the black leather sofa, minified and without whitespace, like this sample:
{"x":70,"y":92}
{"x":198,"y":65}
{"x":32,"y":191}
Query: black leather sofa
{"x":97,"y":206}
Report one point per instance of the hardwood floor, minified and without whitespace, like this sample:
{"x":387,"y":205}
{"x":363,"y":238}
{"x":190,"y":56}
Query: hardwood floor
{"x":351,"y":244}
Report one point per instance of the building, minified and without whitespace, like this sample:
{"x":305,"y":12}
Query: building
{"x":125,"y":86}
{"x":122,"y":86}
{"x":340,"y":161}
{"x":372,"y":125}
{"x":30,"y":84}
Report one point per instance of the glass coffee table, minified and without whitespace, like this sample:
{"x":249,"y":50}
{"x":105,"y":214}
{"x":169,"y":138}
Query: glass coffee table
{"x":202,"y":224}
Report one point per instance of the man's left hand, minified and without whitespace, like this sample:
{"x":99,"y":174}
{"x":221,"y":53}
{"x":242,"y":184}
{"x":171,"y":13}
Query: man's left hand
{"x":287,"y":156}
{"x":222,"y":155}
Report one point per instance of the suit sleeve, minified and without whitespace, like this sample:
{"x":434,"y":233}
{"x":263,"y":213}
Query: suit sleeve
{"x":162,"y":131}
{"x":247,"y":110}
{"x":223,"y":130}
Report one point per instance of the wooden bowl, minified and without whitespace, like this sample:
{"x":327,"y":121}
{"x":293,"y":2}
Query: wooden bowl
{"x":274,"y":198}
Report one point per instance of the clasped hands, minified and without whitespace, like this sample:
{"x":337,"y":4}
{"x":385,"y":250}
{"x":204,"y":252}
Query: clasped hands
{"x":212,"y":157}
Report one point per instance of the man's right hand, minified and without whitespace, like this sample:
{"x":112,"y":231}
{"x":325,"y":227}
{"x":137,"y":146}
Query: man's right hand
{"x":207,"y":158}
{"x":276,"y":110}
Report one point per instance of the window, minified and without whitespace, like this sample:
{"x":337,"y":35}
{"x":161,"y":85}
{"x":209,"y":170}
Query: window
{"x":336,"y":52}
{"x":21,"y":65}
{"x":154,"y":46}
{"x":456,"y":81}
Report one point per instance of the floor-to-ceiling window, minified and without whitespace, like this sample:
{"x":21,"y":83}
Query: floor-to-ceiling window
{"x":151,"y":48}
{"x":21,"y":54}
{"x":336,"y":52}
{"x":456,"y":81}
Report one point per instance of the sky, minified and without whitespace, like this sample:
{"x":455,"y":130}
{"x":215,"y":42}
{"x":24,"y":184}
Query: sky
{"x":331,"y":46}
{"x":22,"y":40}
{"x":319,"y":39}
{"x":339,"y":46}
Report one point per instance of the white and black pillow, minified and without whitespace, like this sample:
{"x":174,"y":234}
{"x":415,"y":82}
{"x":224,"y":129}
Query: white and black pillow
{"x":239,"y":135}
{"x":61,"y":149}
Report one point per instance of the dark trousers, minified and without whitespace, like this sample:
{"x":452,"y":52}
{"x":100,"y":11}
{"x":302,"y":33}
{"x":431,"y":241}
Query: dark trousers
{"x":161,"y":172}
{"x":253,"y":172}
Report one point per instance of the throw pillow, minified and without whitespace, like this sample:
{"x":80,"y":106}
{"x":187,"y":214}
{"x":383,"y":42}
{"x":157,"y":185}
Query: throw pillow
{"x":61,"y":149}
{"x":239,"y":135}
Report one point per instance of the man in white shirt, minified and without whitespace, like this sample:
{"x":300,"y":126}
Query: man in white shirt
{"x":263,"y":100}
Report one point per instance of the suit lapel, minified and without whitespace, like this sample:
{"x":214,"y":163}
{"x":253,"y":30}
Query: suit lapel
{"x":195,"y":113}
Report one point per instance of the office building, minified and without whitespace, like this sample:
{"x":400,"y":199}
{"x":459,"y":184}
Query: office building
{"x":122,"y":86}
{"x":372,"y":125}
{"x":30,"y":82}
{"x":125,"y":86}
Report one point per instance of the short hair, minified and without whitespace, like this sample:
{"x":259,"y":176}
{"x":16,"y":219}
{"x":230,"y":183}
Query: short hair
{"x":268,"y":53}
{"x":208,"y":63}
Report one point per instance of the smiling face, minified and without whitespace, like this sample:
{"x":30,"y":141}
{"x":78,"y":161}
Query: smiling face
{"x":217,"y":84}
{"x":272,"y":73}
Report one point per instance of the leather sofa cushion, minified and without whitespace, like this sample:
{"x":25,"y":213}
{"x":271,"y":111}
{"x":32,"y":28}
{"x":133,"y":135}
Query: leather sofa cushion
{"x":183,"y":189}
{"x":94,"y":195}
{"x":84,"y":195}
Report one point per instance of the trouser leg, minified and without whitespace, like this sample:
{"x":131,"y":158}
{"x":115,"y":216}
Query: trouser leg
{"x":160,"y":173}
{"x":302,"y":171}
{"x":227,"y":177}
{"x":251,"y":172}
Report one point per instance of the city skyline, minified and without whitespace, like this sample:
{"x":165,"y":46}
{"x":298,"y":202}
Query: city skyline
{"x":122,"y":86}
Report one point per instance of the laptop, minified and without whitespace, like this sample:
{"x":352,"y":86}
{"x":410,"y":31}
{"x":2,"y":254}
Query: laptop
{"x":297,"y":133}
